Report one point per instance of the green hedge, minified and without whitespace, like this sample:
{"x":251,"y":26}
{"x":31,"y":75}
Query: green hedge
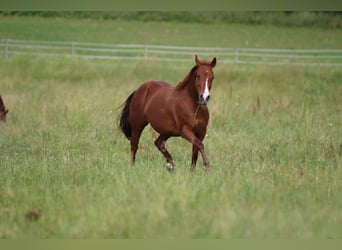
{"x":320,"y":19}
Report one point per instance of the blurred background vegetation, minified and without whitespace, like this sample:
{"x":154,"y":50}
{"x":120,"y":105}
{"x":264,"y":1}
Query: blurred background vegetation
{"x":321,"y":19}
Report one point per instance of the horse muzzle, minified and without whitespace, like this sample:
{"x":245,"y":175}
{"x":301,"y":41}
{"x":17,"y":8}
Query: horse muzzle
{"x":203,"y":100}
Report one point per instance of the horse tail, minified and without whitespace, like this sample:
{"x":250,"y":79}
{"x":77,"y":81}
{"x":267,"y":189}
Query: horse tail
{"x":124,"y":124}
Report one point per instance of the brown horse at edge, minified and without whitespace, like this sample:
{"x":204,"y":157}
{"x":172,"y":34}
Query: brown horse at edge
{"x":179,"y":110}
{"x":3,"y":110}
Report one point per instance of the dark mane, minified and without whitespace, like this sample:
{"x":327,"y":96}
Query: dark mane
{"x":187,"y":79}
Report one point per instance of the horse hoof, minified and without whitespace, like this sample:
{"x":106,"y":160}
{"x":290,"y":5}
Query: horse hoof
{"x":169,"y":166}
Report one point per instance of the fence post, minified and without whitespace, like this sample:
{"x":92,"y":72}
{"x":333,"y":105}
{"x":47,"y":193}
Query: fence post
{"x":6,"y":49}
{"x":72,"y":49}
{"x":146,"y":52}
{"x":236,"y":59}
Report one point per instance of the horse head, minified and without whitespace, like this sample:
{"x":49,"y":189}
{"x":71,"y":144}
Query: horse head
{"x":204,"y":77}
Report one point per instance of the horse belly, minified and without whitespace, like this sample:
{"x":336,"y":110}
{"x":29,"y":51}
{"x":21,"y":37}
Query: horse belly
{"x":161,"y":120}
{"x":164,"y":126}
{"x":159,"y":113}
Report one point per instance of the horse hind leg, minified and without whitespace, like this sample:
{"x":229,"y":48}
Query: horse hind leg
{"x":134,"y":146}
{"x":136,"y":133}
{"x":160,"y":143}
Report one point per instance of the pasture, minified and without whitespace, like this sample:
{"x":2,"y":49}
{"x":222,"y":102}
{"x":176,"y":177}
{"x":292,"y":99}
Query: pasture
{"x":274,"y":140}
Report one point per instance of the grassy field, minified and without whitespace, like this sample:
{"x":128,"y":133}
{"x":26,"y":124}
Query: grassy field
{"x":169,"y":33}
{"x":274,"y":140}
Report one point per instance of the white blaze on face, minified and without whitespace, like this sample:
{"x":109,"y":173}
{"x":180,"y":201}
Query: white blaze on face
{"x":206,"y":90}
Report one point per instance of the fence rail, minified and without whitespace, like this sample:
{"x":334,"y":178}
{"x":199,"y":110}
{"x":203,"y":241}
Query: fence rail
{"x":309,"y":57}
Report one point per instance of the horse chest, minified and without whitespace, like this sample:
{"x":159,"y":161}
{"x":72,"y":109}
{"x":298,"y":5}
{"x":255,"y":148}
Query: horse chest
{"x":200,"y":119}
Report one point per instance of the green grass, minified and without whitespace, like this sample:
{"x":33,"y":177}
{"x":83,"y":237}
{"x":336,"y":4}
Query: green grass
{"x":327,"y":20}
{"x":169,"y":33}
{"x":274,"y":143}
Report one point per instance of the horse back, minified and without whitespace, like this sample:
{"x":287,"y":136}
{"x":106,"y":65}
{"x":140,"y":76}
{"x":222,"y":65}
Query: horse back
{"x":150,"y":94}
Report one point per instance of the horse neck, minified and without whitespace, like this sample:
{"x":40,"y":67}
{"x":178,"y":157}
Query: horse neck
{"x":187,"y":87}
{"x":189,"y":77}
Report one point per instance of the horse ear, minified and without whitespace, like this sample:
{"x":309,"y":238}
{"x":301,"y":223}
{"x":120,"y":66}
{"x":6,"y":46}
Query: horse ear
{"x":213,"y":62}
{"x":198,"y":63}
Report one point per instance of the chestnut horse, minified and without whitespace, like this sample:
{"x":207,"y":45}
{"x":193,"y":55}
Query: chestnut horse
{"x":171,"y":111}
{"x":3,"y":110}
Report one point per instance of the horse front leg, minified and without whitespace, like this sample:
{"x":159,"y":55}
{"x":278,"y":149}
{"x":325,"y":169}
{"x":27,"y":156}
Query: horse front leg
{"x":194,"y":157}
{"x":190,"y":136}
{"x":195,"y":152}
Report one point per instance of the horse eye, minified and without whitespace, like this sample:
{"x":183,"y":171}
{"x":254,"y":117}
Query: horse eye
{"x":198,"y":76}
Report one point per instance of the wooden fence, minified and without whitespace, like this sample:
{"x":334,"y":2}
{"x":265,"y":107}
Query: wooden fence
{"x":309,"y":57}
